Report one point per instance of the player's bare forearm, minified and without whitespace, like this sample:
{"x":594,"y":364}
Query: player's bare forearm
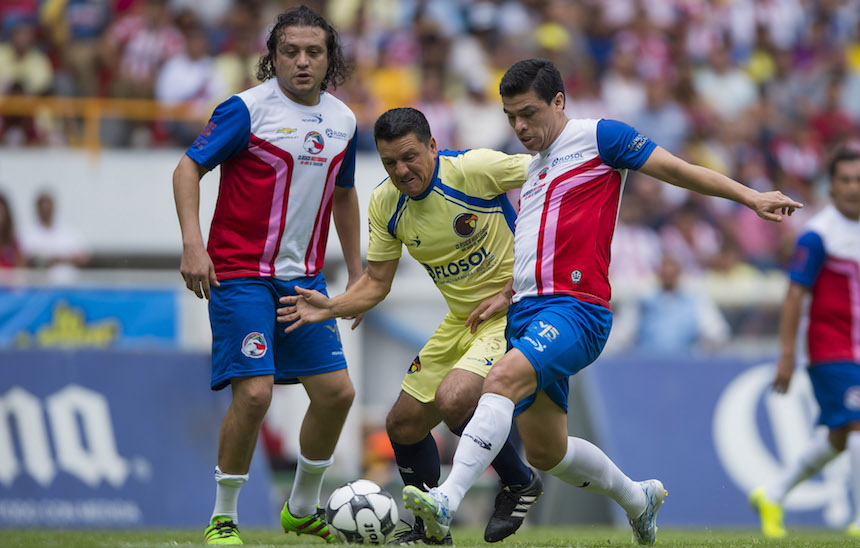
{"x":666,"y":167}
{"x":788,"y":325}
{"x":311,"y":306}
{"x":347,"y":222}
{"x":196,"y":267}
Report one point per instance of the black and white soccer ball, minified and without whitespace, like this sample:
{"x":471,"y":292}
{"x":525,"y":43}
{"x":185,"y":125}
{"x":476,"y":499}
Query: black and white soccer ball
{"x":361,"y":512}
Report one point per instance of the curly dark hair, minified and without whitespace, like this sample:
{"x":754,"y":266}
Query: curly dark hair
{"x":303,"y":16}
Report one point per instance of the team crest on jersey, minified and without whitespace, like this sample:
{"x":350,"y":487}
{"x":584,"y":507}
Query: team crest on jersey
{"x":254,"y":345}
{"x":852,"y":398}
{"x":465,"y":224}
{"x":542,"y":173}
{"x":415,"y":367}
{"x":314,"y":142}
{"x":576,"y":276}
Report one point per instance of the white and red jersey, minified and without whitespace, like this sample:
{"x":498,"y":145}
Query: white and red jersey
{"x":280,"y":162}
{"x":827,"y":261}
{"x":568,"y":209}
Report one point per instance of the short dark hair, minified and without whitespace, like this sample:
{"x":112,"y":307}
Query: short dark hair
{"x":538,"y":74}
{"x":303,"y":16}
{"x":400,"y":122}
{"x":843,"y":154}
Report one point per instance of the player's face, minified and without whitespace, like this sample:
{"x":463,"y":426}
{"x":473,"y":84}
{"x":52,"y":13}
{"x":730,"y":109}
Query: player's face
{"x":409,"y":162}
{"x":845,"y":188}
{"x":536,"y":123}
{"x":301,"y":63}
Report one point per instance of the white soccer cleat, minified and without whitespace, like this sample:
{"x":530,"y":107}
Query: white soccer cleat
{"x":645,"y":526}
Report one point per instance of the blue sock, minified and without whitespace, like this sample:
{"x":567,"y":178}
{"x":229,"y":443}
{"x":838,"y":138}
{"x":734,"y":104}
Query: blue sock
{"x":507,"y":464}
{"x":418,"y":463}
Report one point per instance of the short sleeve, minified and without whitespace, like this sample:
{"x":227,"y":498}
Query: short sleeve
{"x":807,"y":259}
{"x":622,"y":147}
{"x":382,"y":244}
{"x":490,"y":173}
{"x":346,"y":175}
{"x":226,"y":135}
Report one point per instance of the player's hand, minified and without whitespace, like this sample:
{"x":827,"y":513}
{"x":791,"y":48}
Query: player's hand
{"x":486,"y":309}
{"x":773,"y":205}
{"x":198,"y":271}
{"x":784,"y":372}
{"x":308,"y":306}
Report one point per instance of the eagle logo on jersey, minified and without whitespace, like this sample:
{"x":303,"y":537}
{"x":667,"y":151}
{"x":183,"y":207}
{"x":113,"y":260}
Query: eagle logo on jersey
{"x":415,"y":367}
{"x":314,"y":142}
{"x":465,"y":224}
{"x":254,"y":345}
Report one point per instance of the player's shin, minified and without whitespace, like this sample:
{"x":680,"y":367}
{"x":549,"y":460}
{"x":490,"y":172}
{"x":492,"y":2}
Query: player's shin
{"x":586,"y":466}
{"x":227,"y":494}
{"x":305,"y":494}
{"x":481,"y":441}
{"x":418,"y":463}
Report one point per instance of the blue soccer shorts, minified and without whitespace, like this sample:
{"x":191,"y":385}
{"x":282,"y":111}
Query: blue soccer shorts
{"x":248,"y":341}
{"x":837,"y":389}
{"x":559,"y":335}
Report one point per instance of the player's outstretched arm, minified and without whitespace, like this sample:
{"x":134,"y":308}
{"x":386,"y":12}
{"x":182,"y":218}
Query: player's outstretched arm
{"x":490,"y":306}
{"x":196,"y":267}
{"x":664,"y":166}
{"x":789,"y":323}
{"x":312,"y":306}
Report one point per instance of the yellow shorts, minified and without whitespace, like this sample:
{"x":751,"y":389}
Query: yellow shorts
{"x":453,"y":346}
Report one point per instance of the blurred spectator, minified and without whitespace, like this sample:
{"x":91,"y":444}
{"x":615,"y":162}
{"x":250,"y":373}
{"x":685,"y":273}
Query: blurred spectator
{"x":493,"y":130}
{"x":236,"y":66}
{"x":671,"y":318}
{"x":190,"y":77}
{"x":662,"y":117}
{"x":690,"y":239}
{"x":623,"y":90}
{"x":636,"y":252}
{"x":137,"y":45}
{"x":23,"y":67}
{"x":437,"y":110}
{"x":75,"y":28}
{"x":10,"y":250}
{"x":728,"y":90}
{"x":47,"y":243}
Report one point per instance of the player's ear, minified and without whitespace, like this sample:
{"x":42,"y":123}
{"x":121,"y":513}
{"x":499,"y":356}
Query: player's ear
{"x":558,"y":100}
{"x":432,"y":146}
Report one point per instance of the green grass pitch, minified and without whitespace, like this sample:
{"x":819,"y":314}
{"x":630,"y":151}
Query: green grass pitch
{"x":527,"y":537}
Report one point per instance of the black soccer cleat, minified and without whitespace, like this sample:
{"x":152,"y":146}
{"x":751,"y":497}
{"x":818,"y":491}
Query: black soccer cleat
{"x":416,"y":536}
{"x":510,"y":509}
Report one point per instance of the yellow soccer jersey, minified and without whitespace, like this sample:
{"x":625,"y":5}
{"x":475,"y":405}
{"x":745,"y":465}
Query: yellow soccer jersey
{"x":460,"y":229}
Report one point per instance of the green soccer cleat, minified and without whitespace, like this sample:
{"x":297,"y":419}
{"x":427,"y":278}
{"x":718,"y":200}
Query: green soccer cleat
{"x":222,"y":531}
{"x":313,"y":524}
{"x":432,"y":507}
{"x":769,"y":512}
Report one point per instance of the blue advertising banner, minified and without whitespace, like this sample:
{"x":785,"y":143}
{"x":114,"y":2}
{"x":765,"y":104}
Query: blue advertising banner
{"x":114,"y":439}
{"x":88,"y":318}
{"x":712,"y":430}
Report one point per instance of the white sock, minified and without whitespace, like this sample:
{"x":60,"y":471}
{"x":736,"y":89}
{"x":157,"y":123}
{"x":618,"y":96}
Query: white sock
{"x":227,"y":494}
{"x":305,"y":495}
{"x":481,"y":441}
{"x":817,"y":454}
{"x":852,"y":445}
{"x":586,"y":466}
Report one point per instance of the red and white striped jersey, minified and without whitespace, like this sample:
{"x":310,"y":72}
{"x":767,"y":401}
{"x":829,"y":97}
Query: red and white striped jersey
{"x":280,"y":162}
{"x":568,"y":209}
{"x":827,"y":261}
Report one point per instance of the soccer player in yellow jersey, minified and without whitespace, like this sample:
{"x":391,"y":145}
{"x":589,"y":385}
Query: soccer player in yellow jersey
{"x":450,"y":210}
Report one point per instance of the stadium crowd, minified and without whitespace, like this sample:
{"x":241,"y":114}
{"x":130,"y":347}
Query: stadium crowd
{"x":761,"y":91}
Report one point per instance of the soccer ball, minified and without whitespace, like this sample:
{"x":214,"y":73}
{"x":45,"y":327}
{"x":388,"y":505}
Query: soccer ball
{"x":361,"y":512}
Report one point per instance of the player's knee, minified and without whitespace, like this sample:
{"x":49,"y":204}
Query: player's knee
{"x":454,"y":409}
{"x":255,"y":400}
{"x":402,"y":428}
{"x":542,"y":458}
{"x":342,"y":397}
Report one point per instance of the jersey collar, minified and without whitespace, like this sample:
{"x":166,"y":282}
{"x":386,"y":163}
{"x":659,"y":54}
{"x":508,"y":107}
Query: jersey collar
{"x":433,"y":182}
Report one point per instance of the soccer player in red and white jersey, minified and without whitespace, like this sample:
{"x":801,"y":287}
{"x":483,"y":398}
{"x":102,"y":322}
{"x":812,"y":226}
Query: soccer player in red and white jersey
{"x":560,"y":317}
{"x":825,"y":270}
{"x":287,"y":154}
